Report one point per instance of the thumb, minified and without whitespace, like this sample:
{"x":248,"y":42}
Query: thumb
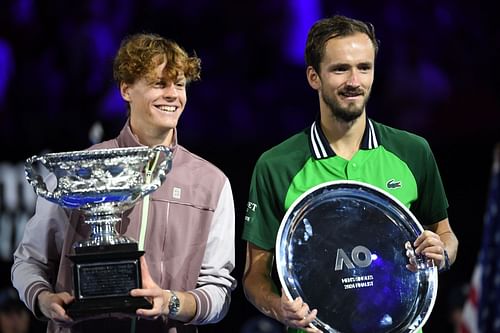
{"x":146,"y":277}
{"x":67,"y":298}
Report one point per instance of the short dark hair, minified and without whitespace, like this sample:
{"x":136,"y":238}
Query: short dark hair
{"x":335,"y":26}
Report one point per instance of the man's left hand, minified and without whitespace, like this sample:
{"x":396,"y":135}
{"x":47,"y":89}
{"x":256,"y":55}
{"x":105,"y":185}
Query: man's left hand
{"x":153,"y":293}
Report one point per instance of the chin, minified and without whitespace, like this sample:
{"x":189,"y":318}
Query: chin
{"x":169,"y":126}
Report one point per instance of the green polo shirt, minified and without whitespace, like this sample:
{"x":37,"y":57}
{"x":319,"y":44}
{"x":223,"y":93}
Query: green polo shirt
{"x":396,"y":161}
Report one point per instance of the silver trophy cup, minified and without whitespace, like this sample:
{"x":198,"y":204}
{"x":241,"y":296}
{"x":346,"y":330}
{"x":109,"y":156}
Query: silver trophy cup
{"x":102,"y":184}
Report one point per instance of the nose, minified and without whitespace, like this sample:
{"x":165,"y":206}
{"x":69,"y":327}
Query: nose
{"x":169,"y":91}
{"x":353,"y":78}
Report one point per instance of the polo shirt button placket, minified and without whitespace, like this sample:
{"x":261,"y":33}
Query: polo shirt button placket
{"x":353,"y":171}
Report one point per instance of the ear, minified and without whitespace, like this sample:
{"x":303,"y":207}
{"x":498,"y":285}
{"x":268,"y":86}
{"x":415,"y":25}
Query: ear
{"x":125,"y":91}
{"x":313,"y":78}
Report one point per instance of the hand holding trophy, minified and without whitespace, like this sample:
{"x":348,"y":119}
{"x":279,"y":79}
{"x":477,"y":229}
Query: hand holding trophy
{"x":102,"y":184}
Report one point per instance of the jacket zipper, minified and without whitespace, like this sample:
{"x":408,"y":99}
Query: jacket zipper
{"x":145,"y":204}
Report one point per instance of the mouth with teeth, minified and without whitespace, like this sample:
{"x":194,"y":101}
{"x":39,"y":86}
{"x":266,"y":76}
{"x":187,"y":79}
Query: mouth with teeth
{"x":351,"y":93}
{"x":166,"y":108}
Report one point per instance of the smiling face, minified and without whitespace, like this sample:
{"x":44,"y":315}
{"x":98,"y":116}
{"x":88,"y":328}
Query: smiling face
{"x":152,"y":73}
{"x":345,"y":76}
{"x":156,"y":104}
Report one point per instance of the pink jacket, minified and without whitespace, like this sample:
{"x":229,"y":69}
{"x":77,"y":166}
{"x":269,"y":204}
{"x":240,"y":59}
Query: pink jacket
{"x":189,"y":243}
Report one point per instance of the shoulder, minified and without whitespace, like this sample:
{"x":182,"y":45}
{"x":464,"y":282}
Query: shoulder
{"x":398,"y":140}
{"x":113,"y":143}
{"x":193,"y":165}
{"x":292,"y":149}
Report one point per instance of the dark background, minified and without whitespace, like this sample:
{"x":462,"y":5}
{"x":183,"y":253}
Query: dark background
{"x":436,"y":75}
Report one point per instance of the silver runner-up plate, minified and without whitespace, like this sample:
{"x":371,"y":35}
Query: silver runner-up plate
{"x":343,"y":247}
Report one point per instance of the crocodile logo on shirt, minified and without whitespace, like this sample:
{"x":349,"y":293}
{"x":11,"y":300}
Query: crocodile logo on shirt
{"x":393,"y":184}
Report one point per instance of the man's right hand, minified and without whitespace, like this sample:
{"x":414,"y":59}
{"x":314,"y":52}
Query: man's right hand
{"x":296,"y":314}
{"x":52,"y":305}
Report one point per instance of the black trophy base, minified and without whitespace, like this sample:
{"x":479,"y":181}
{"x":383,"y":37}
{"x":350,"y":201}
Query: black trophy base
{"x":94,"y":307}
{"x":103,"y":277}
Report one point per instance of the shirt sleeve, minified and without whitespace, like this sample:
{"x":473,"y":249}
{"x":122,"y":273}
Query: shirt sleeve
{"x":432,"y":204}
{"x":263,"y":213}
{"x":213,"y":292}
{"x":37,"y":256}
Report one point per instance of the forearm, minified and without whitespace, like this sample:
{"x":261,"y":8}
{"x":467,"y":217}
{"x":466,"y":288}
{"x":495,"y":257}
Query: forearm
{"x":261,"y":291}
{"x":212,"y":303}
{"x":37,"y":256}
{"x":215,"y":283}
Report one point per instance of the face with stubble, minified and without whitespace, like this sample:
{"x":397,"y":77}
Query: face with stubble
{"x":346,"y":76}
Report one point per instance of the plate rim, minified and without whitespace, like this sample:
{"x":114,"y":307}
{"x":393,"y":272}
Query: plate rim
{"x":279,"y":261}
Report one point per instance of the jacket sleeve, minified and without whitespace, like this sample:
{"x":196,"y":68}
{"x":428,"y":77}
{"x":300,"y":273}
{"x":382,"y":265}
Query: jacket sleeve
{"x":213,"y":292}
{"x":36,"y":259}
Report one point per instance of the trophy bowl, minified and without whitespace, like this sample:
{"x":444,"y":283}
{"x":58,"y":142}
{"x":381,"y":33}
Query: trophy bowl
{"x":342,"y":247}
{"x":102,"y":184}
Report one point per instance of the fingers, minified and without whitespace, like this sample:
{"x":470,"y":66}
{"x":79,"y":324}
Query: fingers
{"x":147,"y":280}
{"x":151,"y":314}
{"x":431,"y":246}
{"x":308,"y":319}
{"x":66,"y":297}
{"x":58,"y":313}
{"x":152,"y":292}
{"x":296,"y":314}
{"x":305,"y":323}
{"x":53,"y":306}
{"x":412,"y":258}
{"x":158,"y":297}
{"x":294,"y":306}
{"x":428,"y":242}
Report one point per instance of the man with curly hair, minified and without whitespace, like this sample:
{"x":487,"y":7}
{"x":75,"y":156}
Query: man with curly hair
{"x":186,"y":227}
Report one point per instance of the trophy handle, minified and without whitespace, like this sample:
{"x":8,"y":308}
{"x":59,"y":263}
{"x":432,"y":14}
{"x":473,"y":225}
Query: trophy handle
{"x":36,"y":180}
{"x":159,"y":171}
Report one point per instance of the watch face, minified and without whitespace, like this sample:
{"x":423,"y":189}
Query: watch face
{"x":341,"y":247}
{"x":174,"y":304}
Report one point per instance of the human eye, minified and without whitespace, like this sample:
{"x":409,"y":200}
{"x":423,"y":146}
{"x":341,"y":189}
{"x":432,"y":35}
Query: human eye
{"x":339,"y":69}
{"x":180,"y":83}
{"x":365,"y":67}
{"x":159,"y":84}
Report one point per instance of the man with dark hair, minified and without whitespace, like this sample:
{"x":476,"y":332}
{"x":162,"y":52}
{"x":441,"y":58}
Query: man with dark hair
{"x":342,"y":144}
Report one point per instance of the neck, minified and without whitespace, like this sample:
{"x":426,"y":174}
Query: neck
{"x":344,"y":137}
{"x":153,"y":138}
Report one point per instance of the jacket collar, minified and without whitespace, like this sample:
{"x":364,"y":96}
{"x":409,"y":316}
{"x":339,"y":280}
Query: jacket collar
{"x":128,"y":139}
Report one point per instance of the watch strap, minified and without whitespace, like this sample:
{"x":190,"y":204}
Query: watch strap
{"x":446,"y":262}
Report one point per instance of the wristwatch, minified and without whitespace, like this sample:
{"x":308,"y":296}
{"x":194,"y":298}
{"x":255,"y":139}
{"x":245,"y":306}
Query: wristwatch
{"x":446,"y":262}
{"x":173,"y":305}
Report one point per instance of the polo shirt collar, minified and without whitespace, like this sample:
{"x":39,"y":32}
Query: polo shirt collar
{"x":320,"y":147}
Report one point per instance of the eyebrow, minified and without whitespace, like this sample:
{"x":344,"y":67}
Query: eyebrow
{"x":346,"y":64}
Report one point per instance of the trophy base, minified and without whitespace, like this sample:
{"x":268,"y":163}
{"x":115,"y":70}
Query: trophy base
{"x":93,"y":307}
{"x":103,"y":277}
